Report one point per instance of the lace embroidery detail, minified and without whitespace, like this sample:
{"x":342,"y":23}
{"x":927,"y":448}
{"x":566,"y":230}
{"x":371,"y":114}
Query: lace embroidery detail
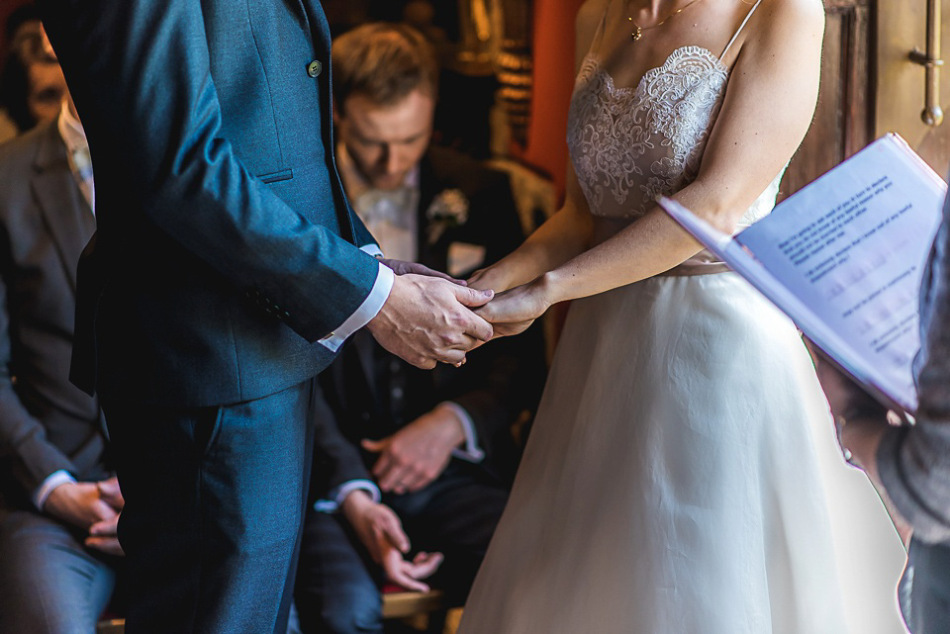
{"x":629,"y":145}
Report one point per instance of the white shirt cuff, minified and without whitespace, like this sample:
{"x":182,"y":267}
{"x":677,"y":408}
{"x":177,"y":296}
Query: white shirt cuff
{"x":52,"y":481}
{"x":338,"y":495}
{"x":367,"y":310}
{"x":372,"y":249}
{"x":471,"y":452}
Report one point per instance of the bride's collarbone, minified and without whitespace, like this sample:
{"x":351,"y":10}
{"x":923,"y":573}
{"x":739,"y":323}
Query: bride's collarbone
{"x":627,"y":61}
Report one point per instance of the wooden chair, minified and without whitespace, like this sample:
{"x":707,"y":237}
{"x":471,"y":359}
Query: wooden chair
{"x":420,"y":611}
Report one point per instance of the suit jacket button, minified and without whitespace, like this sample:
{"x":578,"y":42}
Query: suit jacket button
{"x":314,"y":68}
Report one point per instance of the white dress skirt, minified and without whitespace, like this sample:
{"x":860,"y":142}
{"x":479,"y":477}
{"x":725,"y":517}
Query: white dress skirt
{"x":682,"y":477}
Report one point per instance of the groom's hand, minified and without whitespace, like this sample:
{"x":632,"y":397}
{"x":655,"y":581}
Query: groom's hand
{"x":427,"y":320}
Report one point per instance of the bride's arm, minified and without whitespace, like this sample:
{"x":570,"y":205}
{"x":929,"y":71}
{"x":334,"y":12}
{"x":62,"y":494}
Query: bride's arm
{"x":766,"y":111}
{"x":563,"y":236}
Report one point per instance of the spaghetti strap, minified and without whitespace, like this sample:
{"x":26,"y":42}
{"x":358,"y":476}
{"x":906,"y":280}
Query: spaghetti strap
{"x":739,"y":30}
{"x":599,"y":33}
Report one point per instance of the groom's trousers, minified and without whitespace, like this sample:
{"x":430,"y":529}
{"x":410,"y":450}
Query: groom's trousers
{"x":237,"y":477}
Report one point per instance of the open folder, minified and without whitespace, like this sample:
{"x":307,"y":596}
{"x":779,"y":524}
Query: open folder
{"x":843,"y":258}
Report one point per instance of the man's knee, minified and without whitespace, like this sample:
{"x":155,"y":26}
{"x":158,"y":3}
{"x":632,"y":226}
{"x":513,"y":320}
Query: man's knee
{"x":355,"y":617}
{"x":353,"y":608}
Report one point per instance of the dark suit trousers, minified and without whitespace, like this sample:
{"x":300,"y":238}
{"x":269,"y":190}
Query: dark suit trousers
{"x":50,"y":583}
{"x":925,"y":588}
{"x":338,"y":584}
{"x":214,"y":507}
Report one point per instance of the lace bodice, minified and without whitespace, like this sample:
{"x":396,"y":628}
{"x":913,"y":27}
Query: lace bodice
{"x":629,"y":145}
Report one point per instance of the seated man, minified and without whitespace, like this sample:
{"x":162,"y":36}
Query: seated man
{"x":59,"y":503}
{"x":424,"y":466}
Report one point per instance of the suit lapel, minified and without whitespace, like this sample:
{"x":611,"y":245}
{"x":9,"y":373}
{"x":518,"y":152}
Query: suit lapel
{"x":320,"y":30}
{"x":65,"y":212}
{"x":364,"y":346}
{"x":428,"y":188}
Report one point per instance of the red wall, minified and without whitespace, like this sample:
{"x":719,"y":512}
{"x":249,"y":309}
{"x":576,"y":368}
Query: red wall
{"x":553,"y":82}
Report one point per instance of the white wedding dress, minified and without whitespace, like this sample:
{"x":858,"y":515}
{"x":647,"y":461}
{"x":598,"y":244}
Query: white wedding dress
{"x":682,"y":475}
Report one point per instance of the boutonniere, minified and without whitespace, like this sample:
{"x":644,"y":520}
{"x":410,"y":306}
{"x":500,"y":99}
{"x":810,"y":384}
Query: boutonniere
{"x":448,"y":209}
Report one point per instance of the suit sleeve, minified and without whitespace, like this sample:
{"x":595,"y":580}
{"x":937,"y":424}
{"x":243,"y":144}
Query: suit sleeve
{"x":139,"y":70}
{"x":363,"y":238}
{"x":336,"y":459}
{"x":24,"y":444}
{"x":914,"y":462}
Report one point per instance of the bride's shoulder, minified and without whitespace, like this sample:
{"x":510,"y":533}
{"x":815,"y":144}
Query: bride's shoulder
{"x":792,"y":13}
{"x":589,"y":16}
{"x":786,"y":22}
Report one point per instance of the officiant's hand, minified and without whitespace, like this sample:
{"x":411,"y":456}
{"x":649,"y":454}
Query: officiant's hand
{"x":860,"y":424}
{"x":426,"y":320}
{"x":381,"y":533}
{"x":512,"y":311}
{"x":418,"y":453}
{"x":860,"y":421}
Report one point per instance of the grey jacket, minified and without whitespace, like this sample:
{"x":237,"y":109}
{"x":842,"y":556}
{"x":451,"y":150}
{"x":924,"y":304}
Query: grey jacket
{"x":914,"y":462}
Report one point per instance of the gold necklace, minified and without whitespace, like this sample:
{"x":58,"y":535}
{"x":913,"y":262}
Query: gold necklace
{"x":637,"y":33}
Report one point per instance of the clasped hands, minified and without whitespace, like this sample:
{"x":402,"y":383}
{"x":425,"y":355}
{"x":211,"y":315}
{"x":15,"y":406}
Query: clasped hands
{"x":92,"y":506}
{"x":431,"y":317}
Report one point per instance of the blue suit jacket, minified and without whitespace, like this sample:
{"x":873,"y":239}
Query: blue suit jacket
{"x":225,"y":246}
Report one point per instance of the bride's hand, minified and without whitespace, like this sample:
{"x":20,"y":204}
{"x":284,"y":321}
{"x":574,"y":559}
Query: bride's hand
{"x":512,"y":311}
{"x":492,"y":277}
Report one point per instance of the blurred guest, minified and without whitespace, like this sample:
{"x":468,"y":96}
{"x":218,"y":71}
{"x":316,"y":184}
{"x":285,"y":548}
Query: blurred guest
{"x":21,"y":23}
{"x":59,"y":501}
{"x":32,"y":86}
{"x":437,"y":448}
{"x":911,"y":463}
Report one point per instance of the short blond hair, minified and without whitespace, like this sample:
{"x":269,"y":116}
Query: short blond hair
{"x":383,"y":62}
